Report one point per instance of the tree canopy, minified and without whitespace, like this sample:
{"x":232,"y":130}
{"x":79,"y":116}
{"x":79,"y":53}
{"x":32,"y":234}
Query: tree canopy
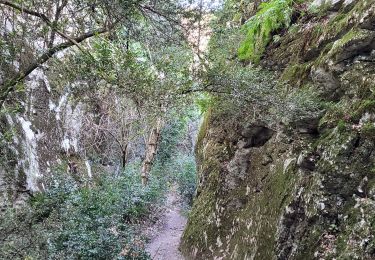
{"x":37,"y":30}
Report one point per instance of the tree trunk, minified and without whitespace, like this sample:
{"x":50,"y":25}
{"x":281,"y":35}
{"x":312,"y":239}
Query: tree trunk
{"x":124,"y":156}
{"x":151,"y":148}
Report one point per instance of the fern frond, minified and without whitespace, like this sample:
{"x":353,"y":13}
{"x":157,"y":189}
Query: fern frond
{"x":271,"y":16}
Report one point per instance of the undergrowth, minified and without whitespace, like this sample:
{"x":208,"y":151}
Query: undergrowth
{"x":101,"y":218}
{"x":176,"y":154}
{"x":184,"y":170}
{"x":98,"y":220}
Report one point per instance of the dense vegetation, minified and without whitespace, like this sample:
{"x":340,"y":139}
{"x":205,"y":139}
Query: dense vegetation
{"x":100,"y":102}
{"x":114,"y":65}
{"x":97,"y":220}
{"x":235,"y":86}
{"x":100,"y":218}
{"x":129,"y":73}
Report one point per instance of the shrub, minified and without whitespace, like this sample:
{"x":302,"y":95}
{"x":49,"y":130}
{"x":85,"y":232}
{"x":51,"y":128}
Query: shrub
{"x":175,"y":160}
{"x":96,"y":221}
{"x":20,"y":236}
{"x":186,"y":178}
{"x":182,"y":170}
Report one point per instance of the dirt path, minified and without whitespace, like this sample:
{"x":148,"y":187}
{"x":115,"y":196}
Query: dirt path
{"x":164,"y":246}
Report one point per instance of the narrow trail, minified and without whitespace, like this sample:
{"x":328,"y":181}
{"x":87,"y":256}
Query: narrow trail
{"x":164,"y":245}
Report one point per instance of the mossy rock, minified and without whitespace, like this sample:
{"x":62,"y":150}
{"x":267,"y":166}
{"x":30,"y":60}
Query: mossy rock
{"x":368,"y":130}
{"x":362,"y":107}
{"x":350,"y":45}
{"x":296,"y":74}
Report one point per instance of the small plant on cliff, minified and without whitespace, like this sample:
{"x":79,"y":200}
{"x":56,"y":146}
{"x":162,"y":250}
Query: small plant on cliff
{"x":271,"y":16}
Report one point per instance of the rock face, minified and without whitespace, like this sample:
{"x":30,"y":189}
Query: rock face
{"x":290,"y":194}
{"x":41,"y":136}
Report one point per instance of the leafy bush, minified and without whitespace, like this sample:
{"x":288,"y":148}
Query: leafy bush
{"x":186,"y":177}
{"x":271,"y":16}
{"x":171,"y":135}
{"x":175,"y":160}
{"x":180,"y":170}
{"x":204,"y":102}
{"x":21,"y":236}
{"x":72,"y":222}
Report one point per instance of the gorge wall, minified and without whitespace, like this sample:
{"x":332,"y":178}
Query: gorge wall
{"x":303,"y":189}
{"x":57,"y":131}
{"x":40,"y":137}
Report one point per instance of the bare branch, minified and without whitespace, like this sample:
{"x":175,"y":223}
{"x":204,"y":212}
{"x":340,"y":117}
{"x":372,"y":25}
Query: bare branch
{"x":46,"y":20}
{"x":24,"y":10}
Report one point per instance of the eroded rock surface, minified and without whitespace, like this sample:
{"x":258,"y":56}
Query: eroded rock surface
{"x":304,"y":190}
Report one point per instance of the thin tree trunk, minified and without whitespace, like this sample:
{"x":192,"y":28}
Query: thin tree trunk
{"x":151,"y":148}
{"x":124,"y":156}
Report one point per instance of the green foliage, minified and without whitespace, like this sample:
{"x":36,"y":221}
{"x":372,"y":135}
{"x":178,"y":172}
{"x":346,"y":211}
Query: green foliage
{"x":180,"y":170}
{"x":365,"y":106}
{"x":272,"y":16}
{"x":204,"y":102}
{"x":171,"y":135}
{"x":341,"y":126}
{"x":147,"y":73}
{"x":148,"y":22}
{"x":235,"y":87}
{"x":21,"y":236}
{"x":73,"y":222}
{"x":7,"y":134}
{"x":186,"y":177}
{"x":368,"y":130}
{"x":175,"y":159}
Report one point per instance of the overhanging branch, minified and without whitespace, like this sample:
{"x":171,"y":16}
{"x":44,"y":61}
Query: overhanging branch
{"x":45,"y":19}
{"x":8,"y":85}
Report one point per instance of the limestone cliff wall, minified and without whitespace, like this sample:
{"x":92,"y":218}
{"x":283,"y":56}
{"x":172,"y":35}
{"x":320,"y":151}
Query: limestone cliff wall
{"x":41,"y":134}
{"x":304,"y":190}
